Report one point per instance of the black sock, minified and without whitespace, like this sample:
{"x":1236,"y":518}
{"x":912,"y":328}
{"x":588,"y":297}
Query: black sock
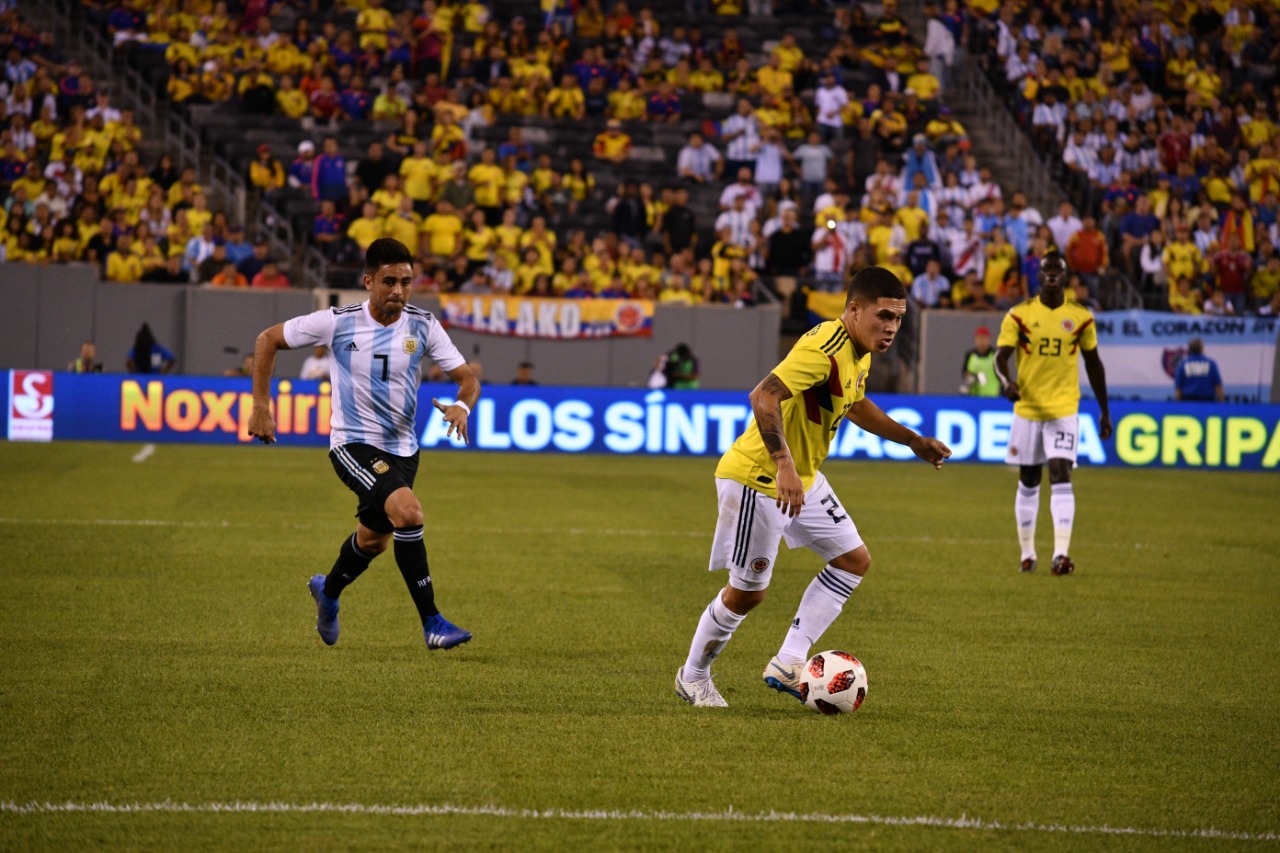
{"x":411,"y":557}
{"x":350,"y":564}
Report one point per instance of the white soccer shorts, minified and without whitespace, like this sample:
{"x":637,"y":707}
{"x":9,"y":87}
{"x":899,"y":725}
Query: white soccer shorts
{"x":751,"y":526}
{"x":1034,"y":442}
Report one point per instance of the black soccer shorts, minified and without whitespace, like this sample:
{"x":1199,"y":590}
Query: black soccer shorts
{"x":373,"y":474}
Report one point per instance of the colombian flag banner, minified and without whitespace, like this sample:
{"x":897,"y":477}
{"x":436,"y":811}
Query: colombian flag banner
{"x":557,"y":319}
{"x":824,"y":306}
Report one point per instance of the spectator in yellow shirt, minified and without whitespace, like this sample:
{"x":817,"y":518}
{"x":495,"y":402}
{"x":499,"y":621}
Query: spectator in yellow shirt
{"x":1181,"y":257}
{"x":540,"y":238}
{"x":418,"y":172}
{"x":388,"y":105}
{"x":387,"y":197}
{"x":488,"y":179}
{"x":367,"y":228}
{"x":926,"y":85}
{"x":790,"y":57}
{"x":626,"y":103}
{"x":912,"y":217}
{"x":265,"y":172}
{"x":1262,"y":173}
{"x":676,"y":291}
{"x":403,"y":223}
{"x":1204,"y":83}
{"x":773,"y":78}
{"x":612,"y":145}
{"x":707,"y":78}
{"x":373,"y":24}
{"x":1184,"y":299}
{"x":447,"y":137}
{"x":122,"y":264}
{"x":443,"y":230}
{"x":566,"y":100}
{"x":1258,"y":130}
{"x":291,"y":100}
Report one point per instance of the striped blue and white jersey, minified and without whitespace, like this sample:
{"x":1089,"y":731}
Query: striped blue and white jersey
{"x":375,"y":370}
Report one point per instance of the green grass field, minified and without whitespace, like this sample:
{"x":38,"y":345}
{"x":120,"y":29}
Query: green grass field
{"x":158,"y":648}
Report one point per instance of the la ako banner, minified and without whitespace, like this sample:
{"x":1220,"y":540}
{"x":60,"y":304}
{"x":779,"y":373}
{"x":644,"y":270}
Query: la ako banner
{"x":556,"y":319}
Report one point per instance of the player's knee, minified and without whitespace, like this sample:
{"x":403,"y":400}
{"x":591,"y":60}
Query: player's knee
{"x":370,"y":542}
{"x":407,"y":517}
{"x":404,"y":510}
{"x":1029,"y":475}
{"x":855,"y":562}
{"x":741,"y":601}
{"x":1059,"y":471}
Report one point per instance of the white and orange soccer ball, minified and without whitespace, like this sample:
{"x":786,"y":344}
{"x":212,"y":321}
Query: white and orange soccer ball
{"x":833,"y":682}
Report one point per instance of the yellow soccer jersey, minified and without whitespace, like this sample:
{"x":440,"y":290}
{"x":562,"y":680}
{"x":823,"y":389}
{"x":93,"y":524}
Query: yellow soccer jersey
{"x":1048,"y":343}
{"x":825,"y":377}
{"x":1182,"y":260}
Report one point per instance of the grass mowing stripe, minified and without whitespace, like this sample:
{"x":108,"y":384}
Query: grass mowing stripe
{"x":177,"y":662}
{"x":729,"y":814}
{"x":515,"y":531}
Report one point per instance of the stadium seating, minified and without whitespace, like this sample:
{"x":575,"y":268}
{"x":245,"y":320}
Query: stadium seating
{"x":228,"y":113}
{"x":1193,"y":83}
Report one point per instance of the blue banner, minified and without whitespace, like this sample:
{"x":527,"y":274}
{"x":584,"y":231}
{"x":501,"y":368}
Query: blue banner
{"x":633,"y":421}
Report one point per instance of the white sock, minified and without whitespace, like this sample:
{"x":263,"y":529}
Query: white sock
{"x":1025,"y":507}
{"x":819,"y":607}
{"x":1062,"y":503}
{"x":714,"y":630}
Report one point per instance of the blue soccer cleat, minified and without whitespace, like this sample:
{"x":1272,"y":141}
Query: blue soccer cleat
{"x":326,"y":611}
{"x":443,"y":634}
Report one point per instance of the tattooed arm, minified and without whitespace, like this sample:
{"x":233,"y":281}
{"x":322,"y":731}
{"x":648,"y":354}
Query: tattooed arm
{"x":766,"y":404}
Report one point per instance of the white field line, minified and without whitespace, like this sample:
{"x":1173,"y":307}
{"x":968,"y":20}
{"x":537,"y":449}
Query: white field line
{"x":728,"y":815}
{"x":145,"y":453}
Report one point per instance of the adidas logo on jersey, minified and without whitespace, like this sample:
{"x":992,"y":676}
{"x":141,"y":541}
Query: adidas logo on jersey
{"x":352,"y":347}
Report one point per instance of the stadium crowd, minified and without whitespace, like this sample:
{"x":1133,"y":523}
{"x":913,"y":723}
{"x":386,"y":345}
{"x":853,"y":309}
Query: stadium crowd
{"x":795,"y":163}
{"x":1161,"y":116}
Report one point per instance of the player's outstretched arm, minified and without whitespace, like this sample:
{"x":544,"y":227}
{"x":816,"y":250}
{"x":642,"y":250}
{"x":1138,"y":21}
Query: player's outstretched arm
{"x":766,"y":405}
{"x":262,"y":424}
{"x":1007,"y":385}
{"x":872,"y":418}
{"x":468,"y":393}
{"x":1098,"y":382}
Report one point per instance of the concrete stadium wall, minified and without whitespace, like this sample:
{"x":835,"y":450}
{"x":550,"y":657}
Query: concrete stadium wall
{"x":50,"y":310}
{"x":945,"y":336}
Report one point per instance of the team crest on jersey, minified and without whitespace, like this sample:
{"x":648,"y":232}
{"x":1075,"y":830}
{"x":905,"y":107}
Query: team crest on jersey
{"x":759,"y":564}
{"x":1068,"y":325}
{"x":380,"y":467}
{"x":862,"y":377}
{"x":1170,"y":358}
{"x":410,"y":345}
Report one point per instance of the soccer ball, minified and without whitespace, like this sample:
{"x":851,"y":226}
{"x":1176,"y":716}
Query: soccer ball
{"x":833,"y":682}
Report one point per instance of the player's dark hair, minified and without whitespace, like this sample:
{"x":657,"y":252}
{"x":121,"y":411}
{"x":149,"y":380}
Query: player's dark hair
{"x":1196,"y":347}
{"x":1053,"y":255}
{"x":383,"y":251}
{"x":871,"y":284}
{"x":143,"y":344}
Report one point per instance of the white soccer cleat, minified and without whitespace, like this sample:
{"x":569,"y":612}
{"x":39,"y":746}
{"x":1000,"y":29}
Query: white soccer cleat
{"x":783,"y":677}
{"x":699,"y":694}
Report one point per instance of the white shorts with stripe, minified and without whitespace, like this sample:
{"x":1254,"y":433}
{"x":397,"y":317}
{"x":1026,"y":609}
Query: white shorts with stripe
{"x":1035,"y":442}
{"x":750,"y":528}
